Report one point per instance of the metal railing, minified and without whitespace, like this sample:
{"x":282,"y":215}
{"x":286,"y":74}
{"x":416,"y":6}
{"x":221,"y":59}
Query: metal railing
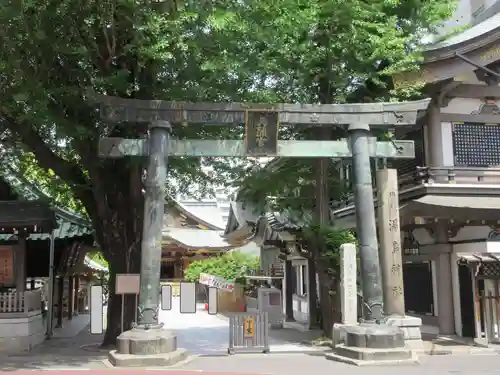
{"x":436,"y":175}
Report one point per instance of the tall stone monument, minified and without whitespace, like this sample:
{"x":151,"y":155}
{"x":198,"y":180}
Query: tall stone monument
{"x":391,"y":259}
{"x":348,"y":292}
{"x":349,"y":287}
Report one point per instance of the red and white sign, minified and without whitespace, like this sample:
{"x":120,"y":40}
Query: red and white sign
{"x":216,"y":282}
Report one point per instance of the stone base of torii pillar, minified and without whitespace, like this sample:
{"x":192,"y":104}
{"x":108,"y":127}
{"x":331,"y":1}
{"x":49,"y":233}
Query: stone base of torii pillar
{"x":154,"y":347}
{"x":411,"y":328}
{"x":372,"y":345}
{"x":368,"y":344}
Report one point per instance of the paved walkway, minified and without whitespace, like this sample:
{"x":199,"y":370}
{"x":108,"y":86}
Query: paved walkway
{"x":202,"y":334}
{"x":63,"y":351}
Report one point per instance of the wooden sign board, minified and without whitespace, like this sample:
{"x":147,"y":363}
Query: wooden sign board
{"x":127,"y":283}
{"x":6,"y":265}
{"x":261,"y":132}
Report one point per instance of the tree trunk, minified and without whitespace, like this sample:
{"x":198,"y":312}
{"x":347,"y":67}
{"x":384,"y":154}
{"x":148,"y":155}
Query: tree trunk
{"x":313,"y":294}
{"x":322,"y":216}
{"x":118,"y":220}
{"x":329,"y":294}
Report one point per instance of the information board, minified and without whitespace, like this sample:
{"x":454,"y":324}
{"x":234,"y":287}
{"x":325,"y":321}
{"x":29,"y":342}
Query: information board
{"x":127,"y":283}
{"x":476,"y":145}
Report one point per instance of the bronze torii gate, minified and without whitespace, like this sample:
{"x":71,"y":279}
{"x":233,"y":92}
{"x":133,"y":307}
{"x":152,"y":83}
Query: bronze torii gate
{"x":261,"y":139}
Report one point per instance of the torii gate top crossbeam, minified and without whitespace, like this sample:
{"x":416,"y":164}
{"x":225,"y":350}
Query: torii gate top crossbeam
{"x":375,"y":114}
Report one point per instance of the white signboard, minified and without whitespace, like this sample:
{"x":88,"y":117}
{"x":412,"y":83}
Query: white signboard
{"x":216,"y":282}
{"x":127,"y":283}
{"x":349,"y":289}
{"x":96,"y":310}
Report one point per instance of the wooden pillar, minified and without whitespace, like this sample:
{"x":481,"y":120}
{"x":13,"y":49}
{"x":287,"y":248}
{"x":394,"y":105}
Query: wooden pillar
{"x":178,"y":269}
{"x":20,"y":267}
{"x":60,"y":307}
{"x":71,"y":297}
{"x":77,"y":295}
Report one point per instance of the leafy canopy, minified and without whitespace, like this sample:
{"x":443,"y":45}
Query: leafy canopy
{"x":230,"y":266}
{"x":57,"y":52}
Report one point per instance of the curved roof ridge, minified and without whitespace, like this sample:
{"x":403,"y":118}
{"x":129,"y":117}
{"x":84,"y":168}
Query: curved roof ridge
{"x":37,"y":193}
{"x":185,"y":210}
{"x":475,"y":32}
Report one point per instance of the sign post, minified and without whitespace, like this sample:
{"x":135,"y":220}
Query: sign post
{"x":261,"y":123}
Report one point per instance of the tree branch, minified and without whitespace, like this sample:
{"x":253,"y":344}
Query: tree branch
{"x":66,"y":170}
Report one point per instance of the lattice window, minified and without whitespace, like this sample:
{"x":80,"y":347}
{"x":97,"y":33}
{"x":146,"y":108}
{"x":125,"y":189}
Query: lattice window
{"x":489,"y":270}
{"x":476,"y":145}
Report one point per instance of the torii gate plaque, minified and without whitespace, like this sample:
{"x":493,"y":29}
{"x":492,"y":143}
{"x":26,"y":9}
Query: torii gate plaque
{"x":261,"y":139}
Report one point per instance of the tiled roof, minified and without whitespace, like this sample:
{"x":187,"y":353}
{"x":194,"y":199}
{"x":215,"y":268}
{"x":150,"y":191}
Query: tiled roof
{"x":207,"y":213}
{"x":70,"y":224}
{"x":476,"y":31}
{"x":20,"y":215}
{"x":197,"y":238}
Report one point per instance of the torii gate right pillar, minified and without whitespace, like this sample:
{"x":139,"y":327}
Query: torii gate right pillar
{"x":373,"y":341}
{"x":365,"y":224}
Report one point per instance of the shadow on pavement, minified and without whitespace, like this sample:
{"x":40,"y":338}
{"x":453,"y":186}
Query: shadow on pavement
{"x":82,"y":351}
{"x":79,"y":352}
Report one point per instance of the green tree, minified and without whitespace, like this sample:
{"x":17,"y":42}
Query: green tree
{"x":335,"y":52}
{"x":55,"y":53}
{"x":230,"y":266}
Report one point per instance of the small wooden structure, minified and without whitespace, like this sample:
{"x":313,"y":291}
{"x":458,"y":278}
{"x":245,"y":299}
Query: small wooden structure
{"x":33,"y":239}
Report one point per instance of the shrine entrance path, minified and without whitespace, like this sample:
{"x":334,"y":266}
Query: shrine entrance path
{"x":207,"y":335}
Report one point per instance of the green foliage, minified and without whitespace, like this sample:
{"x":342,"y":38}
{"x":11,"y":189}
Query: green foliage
{"x":57,"y":52}
{"x":286,"y":185}
{"x":230,"y":266}
{"x":48,"y":183}
{"x":331,"y":239}
{"x":300,"y":60}
{"x":97,"y":257}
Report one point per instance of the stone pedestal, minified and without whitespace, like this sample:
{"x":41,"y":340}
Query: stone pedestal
{"x":152,"y":347}
{"x":338,"y":334}
{"x":373,"y":344}
{"x":410,"y":326}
